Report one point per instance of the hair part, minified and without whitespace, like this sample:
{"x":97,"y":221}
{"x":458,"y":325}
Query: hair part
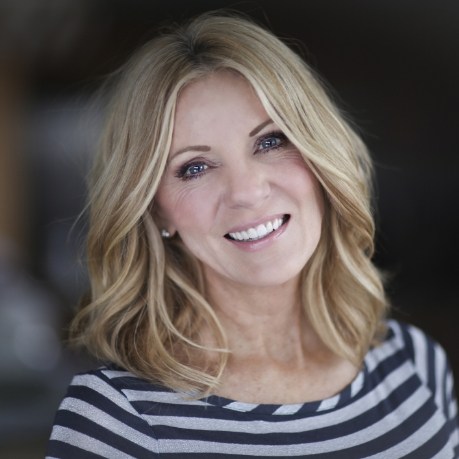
{"x":147,"y":303}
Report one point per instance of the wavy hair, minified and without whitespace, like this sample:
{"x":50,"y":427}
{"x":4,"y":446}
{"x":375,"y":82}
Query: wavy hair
{"x":147,"y":302}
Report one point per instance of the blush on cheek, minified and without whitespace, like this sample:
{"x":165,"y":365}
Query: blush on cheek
{"x":315,"y":187}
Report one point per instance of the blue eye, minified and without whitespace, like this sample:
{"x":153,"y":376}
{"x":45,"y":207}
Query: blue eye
{"x":193,"y":170}
{"x":271,"y":141}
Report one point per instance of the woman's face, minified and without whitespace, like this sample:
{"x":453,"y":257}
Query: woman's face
{"x":235,"y":189}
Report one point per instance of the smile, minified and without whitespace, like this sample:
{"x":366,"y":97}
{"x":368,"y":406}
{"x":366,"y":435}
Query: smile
{"x":259,"y":232}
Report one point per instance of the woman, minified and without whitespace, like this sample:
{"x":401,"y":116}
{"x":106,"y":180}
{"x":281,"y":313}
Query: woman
{"x":233,"y":294}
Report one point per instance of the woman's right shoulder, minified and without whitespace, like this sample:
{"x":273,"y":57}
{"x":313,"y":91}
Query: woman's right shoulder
{"x":106,"y":388}
{"x":96,"y":413}
{"x":103,"y":377}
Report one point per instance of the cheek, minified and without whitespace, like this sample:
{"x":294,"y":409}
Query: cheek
{"x":308,"y":192}
{"x":184,"y":207}
{"x":300,"y":180}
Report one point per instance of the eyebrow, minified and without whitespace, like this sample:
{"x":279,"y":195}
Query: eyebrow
{"x":207,"y":148}
{"x":259,"y":127}
{"x":191,"y":148}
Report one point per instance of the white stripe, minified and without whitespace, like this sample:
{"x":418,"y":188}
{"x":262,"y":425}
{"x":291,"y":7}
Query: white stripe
{"x":452,"y":409}
{"x":380,"y":353}
{"x":241,"y":406}
{"x":357,"y":384}
{"x":449,"y":385}
{"x":328,"y":403}
{"x":98,"y":385}
{"x":113,"y":374}
{"x":187,"y":446}
{"x":440,"y":366}
{"x":86,"y":443}
{"x":289,"y":409}
{"x":420,"y":344}
{"x":448,"y":448}
{"x":172,"y":398}
{"x":109,"y":422}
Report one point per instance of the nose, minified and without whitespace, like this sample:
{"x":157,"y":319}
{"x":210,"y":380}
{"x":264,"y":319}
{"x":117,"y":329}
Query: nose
{"x":247,"y":185}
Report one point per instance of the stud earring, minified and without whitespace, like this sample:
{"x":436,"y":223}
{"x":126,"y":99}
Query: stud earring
{"x":165,"y":234}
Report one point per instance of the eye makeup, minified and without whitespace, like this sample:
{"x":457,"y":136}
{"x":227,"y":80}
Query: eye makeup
{"x":195,"y":168}
{"x":271,"y":141}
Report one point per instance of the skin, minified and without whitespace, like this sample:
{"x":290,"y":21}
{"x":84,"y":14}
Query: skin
{"x":230,"y":168}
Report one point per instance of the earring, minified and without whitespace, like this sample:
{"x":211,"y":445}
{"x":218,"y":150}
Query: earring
{"x":165,"y":234}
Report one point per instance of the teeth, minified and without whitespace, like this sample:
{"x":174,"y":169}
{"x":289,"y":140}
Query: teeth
{"x":252,"y":234}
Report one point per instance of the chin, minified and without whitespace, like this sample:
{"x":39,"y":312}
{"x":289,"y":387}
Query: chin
{"x":271,"y":280}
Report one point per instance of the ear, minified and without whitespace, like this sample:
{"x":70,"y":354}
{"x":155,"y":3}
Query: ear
{"x":162,"y":222}
{"x":166,"y":233}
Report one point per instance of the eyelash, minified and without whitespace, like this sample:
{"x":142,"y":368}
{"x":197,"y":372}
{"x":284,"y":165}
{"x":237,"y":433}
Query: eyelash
{"x":270,"y":135}
{"x":183,"y":170}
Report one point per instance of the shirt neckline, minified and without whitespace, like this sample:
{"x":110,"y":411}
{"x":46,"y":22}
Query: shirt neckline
{"x":341,"y":398}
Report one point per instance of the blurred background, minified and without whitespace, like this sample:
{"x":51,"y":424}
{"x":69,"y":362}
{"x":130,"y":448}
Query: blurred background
{"x":394,"y":69}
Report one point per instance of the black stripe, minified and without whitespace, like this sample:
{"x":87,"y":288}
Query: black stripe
{"x":431,"y":366}
{"x":407,"y":341}
{"x":384,"y":369}
{"x":444,"y":390}
{"x":99,"y":401}
{"x":432,"y":446}
{"x":308,"y":408}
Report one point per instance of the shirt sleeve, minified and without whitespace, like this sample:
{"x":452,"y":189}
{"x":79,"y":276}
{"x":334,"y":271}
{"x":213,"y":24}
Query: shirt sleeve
{"x":95,"y":420}
{"x":434,"y":369}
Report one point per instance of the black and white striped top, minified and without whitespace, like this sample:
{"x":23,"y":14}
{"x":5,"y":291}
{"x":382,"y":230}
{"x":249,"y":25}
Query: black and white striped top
{"x":401,"y":404}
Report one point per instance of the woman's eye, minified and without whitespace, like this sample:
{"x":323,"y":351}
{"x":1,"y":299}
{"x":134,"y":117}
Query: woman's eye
{"x":189,"y":171}
{"x":271,"y":141}
{"x":195,"y":169}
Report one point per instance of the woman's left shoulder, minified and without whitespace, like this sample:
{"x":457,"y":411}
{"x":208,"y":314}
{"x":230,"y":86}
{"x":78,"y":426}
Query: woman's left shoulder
{"x":418,"y":344}
{"x":422,"y":352}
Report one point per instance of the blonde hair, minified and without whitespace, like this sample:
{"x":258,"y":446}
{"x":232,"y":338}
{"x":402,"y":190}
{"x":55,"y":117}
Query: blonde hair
{"x":147,"y":303}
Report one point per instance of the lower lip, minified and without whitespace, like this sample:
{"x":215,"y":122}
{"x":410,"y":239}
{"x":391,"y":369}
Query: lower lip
{"x":252,"y":246}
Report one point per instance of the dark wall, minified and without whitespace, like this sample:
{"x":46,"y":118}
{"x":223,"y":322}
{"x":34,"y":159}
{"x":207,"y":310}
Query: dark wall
{"x":394,"y":69}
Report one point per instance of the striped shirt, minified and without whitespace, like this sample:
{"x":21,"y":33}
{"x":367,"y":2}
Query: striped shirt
{"x":401,"y":404}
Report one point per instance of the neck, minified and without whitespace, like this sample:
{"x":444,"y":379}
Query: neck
{"x":262,"y":322}
{"x":275,"y":354}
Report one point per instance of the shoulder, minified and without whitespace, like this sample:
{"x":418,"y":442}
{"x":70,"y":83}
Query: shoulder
{"x":98,"y":389}
{"x":409,"y":353}
{"x":427,"y":355}
{"x":95,"y":415}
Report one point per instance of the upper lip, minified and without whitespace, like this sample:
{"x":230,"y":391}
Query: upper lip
{"x":255,"y":223}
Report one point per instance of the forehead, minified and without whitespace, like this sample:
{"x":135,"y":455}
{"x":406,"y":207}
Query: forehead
{"x":220,"y":97}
